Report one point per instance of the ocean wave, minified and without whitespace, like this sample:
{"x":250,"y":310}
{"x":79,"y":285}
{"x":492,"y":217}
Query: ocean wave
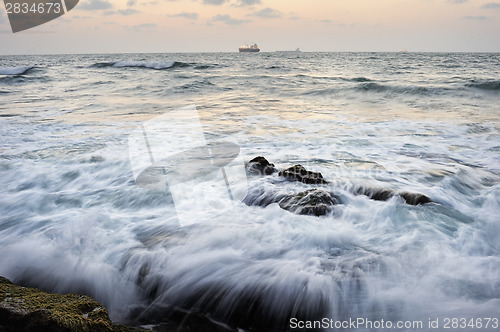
{"x":372,"y":86}
{"x":401,"y":89}
{"x":275,"y":67}
{"x":12,"y":79}
{"x":14,"y":71}
{"x":357,"y":79}
{"x":196,"y":85}
{"x":141,"y":64}
{"x":484,"y":84}
{"x":206,"y":66}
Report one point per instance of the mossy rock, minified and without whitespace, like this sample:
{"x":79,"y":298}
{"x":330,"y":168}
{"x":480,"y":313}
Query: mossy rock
{"x":30,"y":309}
{"x":4,"y":281}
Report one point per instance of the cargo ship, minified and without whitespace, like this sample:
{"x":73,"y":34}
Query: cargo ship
{"x":252,"y":48}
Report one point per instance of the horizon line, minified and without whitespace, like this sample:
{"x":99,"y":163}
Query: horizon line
{"x":236,"y":52}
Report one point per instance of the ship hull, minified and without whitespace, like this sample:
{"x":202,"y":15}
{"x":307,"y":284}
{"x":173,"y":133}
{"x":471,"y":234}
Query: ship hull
{"x":249,"y":50}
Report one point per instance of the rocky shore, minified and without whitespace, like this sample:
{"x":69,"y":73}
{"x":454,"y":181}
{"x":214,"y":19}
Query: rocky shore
{"x":24,"y":309}
{"x":30,"y":309}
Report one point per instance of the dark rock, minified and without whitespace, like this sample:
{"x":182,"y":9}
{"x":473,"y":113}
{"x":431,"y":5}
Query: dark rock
{"x":299,"y":173}
{"x":260,"y":166}
{"x":315,"y":202}
{"x":96,"y":159}
{"x":377,"y":194}
{"x":250,"y":310}
{"x":414,"y":198}
{"x":380,"y":194}
{"x":4,"y":281}
{"x":179,"y":321}
{"x":30,"y":309}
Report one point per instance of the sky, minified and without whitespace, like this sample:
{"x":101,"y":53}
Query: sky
{"x":141,"y":26}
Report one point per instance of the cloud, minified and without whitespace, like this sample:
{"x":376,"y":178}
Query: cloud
{"x":214,"y":2}
{"x":228,"y":20}
{"x":96,"y":5}
{"x":144,"y":3}
{"x":242,"y":3}
{"x":476,"y":18}
{"x":128,"y":11}
{"x":143,"y":26}
{"x":491,"y":5}
{"x":78,"y":17}
{"x":123,"y":12}
{"x":267,"y":13}
{"x":458,"y":1}
{"x":189,"y":16}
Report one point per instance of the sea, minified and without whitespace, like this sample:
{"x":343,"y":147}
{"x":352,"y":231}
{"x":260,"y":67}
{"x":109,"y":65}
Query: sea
{"x":74,"y":217}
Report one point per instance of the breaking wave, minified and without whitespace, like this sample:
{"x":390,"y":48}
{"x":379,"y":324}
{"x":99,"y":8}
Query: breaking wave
{"x":485,"y":85}
{"x":368,"y":86}
{"x":140,"y":64}
{"x":21,"y":70}
{"x":399,"y":89}
{"x":357,"y":79}
{"x":206,"y":66}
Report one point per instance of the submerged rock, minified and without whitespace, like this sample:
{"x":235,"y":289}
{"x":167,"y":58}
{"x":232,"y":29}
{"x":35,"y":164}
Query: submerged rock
{"x":260,"y":166}
{"x":261,"y":197}
{"x":377,"y":194}
{"x":414,"y":198}
{"x":30,"y":309}
{"x":315,"y":202}
{"x":299,"y":173}
{"x":380,"y":194}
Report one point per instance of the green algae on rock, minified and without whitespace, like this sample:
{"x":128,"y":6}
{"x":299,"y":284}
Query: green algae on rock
{"x":30,"y":309}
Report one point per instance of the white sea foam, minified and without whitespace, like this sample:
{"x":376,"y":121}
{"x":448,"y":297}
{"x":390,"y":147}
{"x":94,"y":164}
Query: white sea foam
{"x":70,"y":226}
{"x":15,"y":70}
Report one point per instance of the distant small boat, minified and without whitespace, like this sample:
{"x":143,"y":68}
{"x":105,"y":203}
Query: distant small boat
{"x":403,"y":51}
{"x":296,"y":50}
{"x":252,"y":48}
